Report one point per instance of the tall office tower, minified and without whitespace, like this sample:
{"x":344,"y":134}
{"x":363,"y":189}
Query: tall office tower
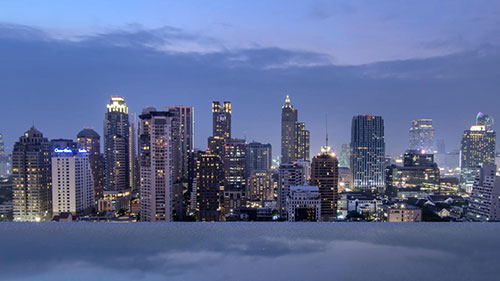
{"x":478,"y":148}
{"x":345,"y":155}
{"x":209,"y":186}
{"x":90,"y":140}
{"x":259,"y":157}
{"x":116,"y":146}
{"x":132,"y":154}
{"x":235,"y":164}
{"x":291,"y":174}
{"x":185,"y":118}
{"x":288,"y":131}
{"x":221,"y":122}
{"x":484,"y":204}
{"x":294,"y":136}
{"x":302,"y":142}
{"x":260,"y":186}
{"x":31,"y":171}
{"x":485,"y":120}
{"x":325,"y":175}
{"x":367,"y":152}
{"x":5,"y":170}
{"x":422,"y":135}
{"x":72,"y":183}
{"x":155,"y":157}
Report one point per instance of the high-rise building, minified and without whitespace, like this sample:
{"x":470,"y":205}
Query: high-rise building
{"x":304,"y":204}
{"x":72,"y":183}
{"x":155,"y":158}
{"x":367,"y":152}
{"x":221,"y":122}
{"x":419,"y":173}
{"x":325,"y":175}
{"x":290,"y":174}
{"x":90,"y":140}
{"x":345,"y":156}
{"x":288,"y":131}
{"x":116,"y":146}
{"x":184,"y":116}
{"x":63,"y":143}
{"x":478,"y":148}
{"x":209,"y":186}
{"x":294,"y":136}
{"x":5,"y":165}
{"x":422,"y":135}
{"x":484,"y":204}
{"x":31,"y":171}
{"x":235,"y":164}
{"x":259,"y":157}
{"x":260,"y":186}
{"x":302,"y":142}
{"x":132,"y":143}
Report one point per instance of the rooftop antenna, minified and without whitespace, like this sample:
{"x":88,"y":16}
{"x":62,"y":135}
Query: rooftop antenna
{"x":326,"y":128}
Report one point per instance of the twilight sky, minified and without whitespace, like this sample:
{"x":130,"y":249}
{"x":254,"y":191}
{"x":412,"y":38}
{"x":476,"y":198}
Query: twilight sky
{"x":59,"y":63}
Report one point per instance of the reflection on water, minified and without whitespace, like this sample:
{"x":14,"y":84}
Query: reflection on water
{"x":249,"y":251}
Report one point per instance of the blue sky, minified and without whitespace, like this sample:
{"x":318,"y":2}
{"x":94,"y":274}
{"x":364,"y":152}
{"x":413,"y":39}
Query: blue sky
{"x":403,"y":60}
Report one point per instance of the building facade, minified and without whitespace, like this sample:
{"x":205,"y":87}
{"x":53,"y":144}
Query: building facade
{"x":209,"y":186}
{"x":32,"y":177}
{"x":422,"y":135}
{"x":484,"y":204}
{"x":367,"y":152}
{"x":90,"y":140}
{"x":290,"y":174}
{"x":221,"y":127}
{"x":155,"y":158}
{"x":116,"y":146}
{"x":259,"y":157}
{"x":325,"y":175}
{"x":72,"y":182}
{"x":478,"y":148}
{"x":235,"y":164}
{"x":303,"y":204}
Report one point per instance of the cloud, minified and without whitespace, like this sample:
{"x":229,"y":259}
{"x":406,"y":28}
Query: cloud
{"x":187,"y":251}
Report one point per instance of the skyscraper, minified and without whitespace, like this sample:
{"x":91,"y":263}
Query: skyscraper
{"x":478,"y":148}
{"x":345,"y":156}
{"x":184,"y":115}
{"x":72,"y":183}
{"x":422,"y":135}
{"x":155,"y":157}
{"x":288,"y":131}
{"x":290,"y":174}
{"x":259,"y":157}
{"x":325,"y":175}
{"x":368,"y":152}
{"x":302,"y":142}
{"x":484,"y":203}
{"x":294,"y":136}
{"x":221,"y":122}
{"x":116,"y":146}
{"x":5,"y":170}
{"x":132,"y":139}
{"x":209,"y":186}
{"x":260,"y":186}
{"x":90,"y":140}
{"x":31,"y":171}
{"x":235,"y":164}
